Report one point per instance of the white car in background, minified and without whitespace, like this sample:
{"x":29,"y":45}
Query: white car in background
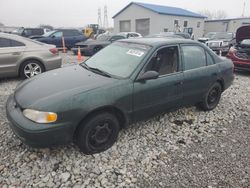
{"x":130,"y":34}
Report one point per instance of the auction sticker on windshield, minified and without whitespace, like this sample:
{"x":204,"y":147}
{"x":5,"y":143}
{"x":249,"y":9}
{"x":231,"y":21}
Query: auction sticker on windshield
{"x":137,"y":53}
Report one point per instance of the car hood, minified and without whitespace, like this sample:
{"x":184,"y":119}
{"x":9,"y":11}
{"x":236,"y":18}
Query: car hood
{"x":243,"y":33}
{"x":93,"y":42}
{"x":59,"y":84}
{"x":219,"y":40}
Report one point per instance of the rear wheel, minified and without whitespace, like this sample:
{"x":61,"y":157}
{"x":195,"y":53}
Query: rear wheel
{"x":98,"y":133}
{"x":31,"y":68}
{"x":212,"y":97}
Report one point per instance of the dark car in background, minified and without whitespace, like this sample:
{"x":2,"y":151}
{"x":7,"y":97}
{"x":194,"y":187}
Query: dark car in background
{"x":29,"y":32}
{"x":71,"y":37}
{"x":91,"y":46}
{"x":127,"y":81}
{"x":240,"y":53}
{"x":220,"y":42}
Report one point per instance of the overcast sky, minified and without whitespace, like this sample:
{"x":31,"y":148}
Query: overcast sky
{"x":78,"y":13}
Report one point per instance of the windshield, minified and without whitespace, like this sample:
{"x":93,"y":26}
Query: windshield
{"x":222,"y":36}
{"x":103,"y":37}
{"x":48,"y":34}
{"x":119,"y":59}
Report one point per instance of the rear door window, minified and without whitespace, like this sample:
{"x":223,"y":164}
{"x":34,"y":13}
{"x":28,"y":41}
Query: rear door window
{"x":9,"y":43}
{"x":193,"y":57}
{"x":5,"y":43}
{"x":210,"y":60}
{"x":69,"y":33}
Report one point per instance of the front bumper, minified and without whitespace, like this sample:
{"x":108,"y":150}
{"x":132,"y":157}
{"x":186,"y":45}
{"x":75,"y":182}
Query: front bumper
{"x":241,"y":65}
{"x":218,"y":49}
{"x":35,"y":134}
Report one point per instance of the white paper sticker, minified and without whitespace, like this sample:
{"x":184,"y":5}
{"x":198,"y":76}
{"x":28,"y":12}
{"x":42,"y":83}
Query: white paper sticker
{"x":137,"y":53}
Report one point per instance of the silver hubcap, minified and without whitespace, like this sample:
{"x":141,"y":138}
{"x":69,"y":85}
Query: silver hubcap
{"x":32,"y":69}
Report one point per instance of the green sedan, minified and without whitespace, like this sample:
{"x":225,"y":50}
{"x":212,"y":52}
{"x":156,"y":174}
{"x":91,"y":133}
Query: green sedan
{"x":127,"y":81}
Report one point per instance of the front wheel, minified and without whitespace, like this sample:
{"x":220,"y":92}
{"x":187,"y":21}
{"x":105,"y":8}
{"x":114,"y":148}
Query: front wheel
{"x":98,"y":133}
{"x":212,"y":97}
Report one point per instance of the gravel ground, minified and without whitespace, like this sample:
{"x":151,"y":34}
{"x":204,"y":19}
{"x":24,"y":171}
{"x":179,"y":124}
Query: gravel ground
{"x":184,"y":148}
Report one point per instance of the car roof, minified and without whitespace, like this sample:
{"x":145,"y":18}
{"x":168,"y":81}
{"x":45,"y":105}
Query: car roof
{"x":19,"y":38}
{"x":159,"y":41}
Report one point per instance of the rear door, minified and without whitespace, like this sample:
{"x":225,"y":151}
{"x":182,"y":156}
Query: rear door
{"x":199,"y":72}
{"x":10,"y":52}
{"x":165,"y":92}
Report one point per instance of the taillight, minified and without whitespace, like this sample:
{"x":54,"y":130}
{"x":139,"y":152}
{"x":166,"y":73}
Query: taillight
{"x":54,"y":50}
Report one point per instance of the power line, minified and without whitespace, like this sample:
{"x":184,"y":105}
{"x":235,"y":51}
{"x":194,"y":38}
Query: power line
{"x":105,"y":22}
{"x":99,"y":17}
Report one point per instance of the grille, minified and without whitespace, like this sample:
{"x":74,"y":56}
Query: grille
{"x":242,"y":55}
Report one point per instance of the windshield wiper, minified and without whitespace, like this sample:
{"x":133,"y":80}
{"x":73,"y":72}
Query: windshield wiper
{"x":84,"y":65}
{"x":98,"y":71}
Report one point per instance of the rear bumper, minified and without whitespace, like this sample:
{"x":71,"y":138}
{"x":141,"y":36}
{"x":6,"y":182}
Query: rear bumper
{"x":35,"y":134}
{"x":53,"y":63}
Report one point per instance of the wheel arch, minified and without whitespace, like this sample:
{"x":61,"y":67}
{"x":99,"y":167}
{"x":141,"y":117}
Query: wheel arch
{"x":121,"y":116}
{"x":221,"y":82}
{"x":29,"y":59}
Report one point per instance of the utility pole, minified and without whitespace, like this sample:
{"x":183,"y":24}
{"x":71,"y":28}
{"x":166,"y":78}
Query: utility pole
{"x":105,"y":22}
{"x":99,"y":17}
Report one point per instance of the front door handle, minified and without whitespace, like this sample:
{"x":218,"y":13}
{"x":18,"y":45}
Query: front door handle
{"x":178,"y":83}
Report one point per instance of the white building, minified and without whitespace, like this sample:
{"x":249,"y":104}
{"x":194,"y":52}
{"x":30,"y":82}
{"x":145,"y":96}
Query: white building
{"x":150,"y":19}
{"x":225,"y":25}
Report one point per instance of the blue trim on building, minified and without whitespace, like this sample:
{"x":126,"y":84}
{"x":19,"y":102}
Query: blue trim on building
{"x":166,"y":10}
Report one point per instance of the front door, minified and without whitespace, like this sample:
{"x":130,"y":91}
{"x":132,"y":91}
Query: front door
{"x":165,"y":92}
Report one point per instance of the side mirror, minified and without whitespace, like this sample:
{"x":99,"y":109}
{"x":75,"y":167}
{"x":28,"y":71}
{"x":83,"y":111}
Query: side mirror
{"x":149,"y":75}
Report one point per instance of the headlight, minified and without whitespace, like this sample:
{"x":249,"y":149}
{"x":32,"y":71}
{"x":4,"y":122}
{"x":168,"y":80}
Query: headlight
{"x":40,"y":117}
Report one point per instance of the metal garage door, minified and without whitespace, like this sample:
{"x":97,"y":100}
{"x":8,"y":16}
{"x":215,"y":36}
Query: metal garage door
{"x":142,"y":26}
{"x":125,"y":26}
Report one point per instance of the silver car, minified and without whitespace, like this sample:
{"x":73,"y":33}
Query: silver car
{"x":26,"y":58}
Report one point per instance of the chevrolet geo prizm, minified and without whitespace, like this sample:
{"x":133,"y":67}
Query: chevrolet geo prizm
{"x":127,"y":81}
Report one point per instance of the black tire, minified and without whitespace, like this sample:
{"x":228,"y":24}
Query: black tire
{"x":36,"y":66}
{"x":97,"y":133}
{"x":212,"y":97}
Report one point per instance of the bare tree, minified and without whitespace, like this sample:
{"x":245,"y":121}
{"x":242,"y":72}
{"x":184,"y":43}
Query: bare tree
{"x":212,"y":15}
{"x":46,"y":26}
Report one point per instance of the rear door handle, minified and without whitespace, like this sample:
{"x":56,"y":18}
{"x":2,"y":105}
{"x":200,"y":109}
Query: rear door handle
{"x":16,"y":53}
